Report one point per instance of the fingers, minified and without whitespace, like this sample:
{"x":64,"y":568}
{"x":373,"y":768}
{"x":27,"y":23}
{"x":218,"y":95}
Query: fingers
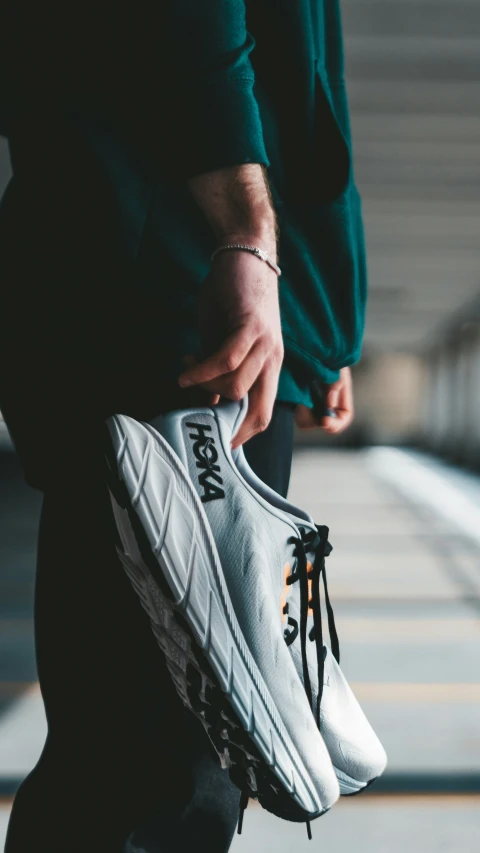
{"x":236,"y":385}
{"x":340,"y":400}
{"x":261,"y":400}
{"x":331,"y":419}
{"x":226,"y":360}
{"x":332,"y":397}
{"x":234,"y":369}
{"x":337,"y":424}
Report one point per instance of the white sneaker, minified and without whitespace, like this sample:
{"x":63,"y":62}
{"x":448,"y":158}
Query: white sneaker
{"x":206,"y":554}
{"x":357,"y":755}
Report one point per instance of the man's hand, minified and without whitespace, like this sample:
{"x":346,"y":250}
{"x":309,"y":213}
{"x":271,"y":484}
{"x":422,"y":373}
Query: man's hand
{"x":239,"y":314}
{"x":338,"y":400}
{"x":240,"y":324}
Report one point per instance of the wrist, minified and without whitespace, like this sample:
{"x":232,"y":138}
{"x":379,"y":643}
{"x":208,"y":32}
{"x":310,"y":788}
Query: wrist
{"x":263,"y":237}
{"x":255,"y":250}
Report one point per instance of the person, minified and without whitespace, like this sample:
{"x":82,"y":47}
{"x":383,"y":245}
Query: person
{"x":141,"y":140}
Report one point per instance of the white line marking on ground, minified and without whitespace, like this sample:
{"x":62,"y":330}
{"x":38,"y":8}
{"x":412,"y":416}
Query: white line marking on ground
{"x":453,"y":495}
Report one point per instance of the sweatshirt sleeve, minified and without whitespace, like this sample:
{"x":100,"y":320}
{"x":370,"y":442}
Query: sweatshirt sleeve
{"x":216,"y":114}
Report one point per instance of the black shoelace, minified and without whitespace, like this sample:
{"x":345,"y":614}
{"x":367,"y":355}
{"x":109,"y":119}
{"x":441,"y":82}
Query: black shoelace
{"x":309,"y":576}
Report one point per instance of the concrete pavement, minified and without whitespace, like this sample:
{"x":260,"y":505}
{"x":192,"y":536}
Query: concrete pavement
{"x":404,"y":578}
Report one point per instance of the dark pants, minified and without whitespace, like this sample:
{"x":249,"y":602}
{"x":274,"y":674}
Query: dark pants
{"x":122,"y":754}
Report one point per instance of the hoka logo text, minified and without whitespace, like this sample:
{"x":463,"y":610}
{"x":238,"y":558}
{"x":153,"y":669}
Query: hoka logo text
{"x":206,"y":456}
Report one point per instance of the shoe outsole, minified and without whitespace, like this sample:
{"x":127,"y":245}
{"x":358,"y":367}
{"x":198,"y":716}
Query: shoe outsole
{"x":198,"y":686}
{"x":354,"y":788}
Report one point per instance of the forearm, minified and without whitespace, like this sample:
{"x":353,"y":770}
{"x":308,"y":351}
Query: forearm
{"x":237,"y":203}
{"x":238,"y":304}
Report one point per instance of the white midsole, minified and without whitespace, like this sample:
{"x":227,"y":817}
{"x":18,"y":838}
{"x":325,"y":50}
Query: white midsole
{"x":202,"y":594}
{"x":347,"y":784}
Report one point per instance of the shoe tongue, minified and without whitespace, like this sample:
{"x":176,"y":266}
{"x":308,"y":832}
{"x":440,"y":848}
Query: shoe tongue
{"x":233,"y":414}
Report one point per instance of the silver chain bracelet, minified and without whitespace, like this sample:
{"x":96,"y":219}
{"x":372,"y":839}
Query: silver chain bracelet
{"x":254,"y":250}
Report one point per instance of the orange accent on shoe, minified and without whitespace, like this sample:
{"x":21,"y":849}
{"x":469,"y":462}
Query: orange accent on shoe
{"x":310,"y":582}
{"x":283,"y":599}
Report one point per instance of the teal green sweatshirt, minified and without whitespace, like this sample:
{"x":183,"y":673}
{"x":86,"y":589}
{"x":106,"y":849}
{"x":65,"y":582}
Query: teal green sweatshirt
{"x":165,"y":93}
{"x":263,"y":81}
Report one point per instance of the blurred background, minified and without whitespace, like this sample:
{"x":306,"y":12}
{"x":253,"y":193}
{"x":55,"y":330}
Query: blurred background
{"x":400,"y":492}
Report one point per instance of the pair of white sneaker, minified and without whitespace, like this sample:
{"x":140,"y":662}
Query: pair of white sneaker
{"x":229,"y":573}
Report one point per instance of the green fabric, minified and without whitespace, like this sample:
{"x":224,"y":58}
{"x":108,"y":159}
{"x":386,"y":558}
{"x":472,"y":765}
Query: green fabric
{"x":301,"y":98}
{"x":208,"y":56}
{"x":221,"y":83}
{"x":291,"y":388}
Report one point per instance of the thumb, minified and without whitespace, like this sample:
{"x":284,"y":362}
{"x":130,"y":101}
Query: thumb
{"x":332,"y":399}
{"x":331,"y":402}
